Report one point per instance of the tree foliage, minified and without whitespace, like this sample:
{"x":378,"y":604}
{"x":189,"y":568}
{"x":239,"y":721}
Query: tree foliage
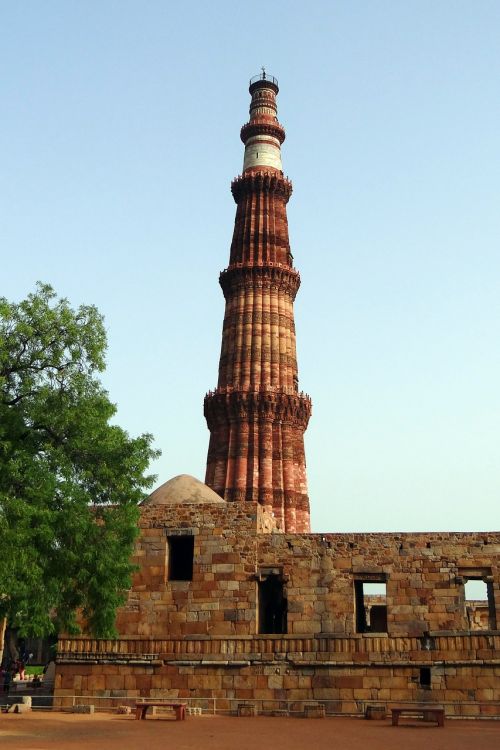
{"x":70,"y":481}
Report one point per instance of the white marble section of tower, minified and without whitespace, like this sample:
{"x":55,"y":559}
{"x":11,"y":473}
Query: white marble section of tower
{"x":263,"y":150}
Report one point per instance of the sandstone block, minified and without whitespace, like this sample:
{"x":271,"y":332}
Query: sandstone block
{"x":83,"y":709}
{"x":247,"y":709}
{"x":376,"y":712}
{"x":314,"y":711}
{"x":19,"y":708}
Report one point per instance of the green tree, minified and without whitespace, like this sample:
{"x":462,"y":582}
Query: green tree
{"x":70,"y":481}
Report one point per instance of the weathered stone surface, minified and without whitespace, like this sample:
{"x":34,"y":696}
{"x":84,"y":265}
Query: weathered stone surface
{"x":83,"y":709}
{"x":321,"y":656}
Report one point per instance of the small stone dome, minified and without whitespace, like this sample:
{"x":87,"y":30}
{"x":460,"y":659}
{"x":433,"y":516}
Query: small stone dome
{"x":182,"y":489}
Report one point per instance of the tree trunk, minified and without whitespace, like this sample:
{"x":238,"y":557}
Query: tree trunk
{"x":3,"y":627}
{"x":10,"y":644}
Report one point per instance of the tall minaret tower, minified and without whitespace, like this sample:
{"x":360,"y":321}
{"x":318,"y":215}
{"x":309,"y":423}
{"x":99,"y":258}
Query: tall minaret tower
{"x":256,"y":415}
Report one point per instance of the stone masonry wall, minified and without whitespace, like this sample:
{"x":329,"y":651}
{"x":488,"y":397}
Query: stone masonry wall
{"x":199,"y":639}
{"x":220,"y":600}
{"x":424,"y":575}
{"x":465,"y":690}
{"x":423,"y":572}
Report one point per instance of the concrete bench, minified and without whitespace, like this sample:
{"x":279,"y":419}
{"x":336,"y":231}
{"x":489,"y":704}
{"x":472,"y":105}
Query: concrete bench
{"x":426,"y":713}
{"x":179,"y":708}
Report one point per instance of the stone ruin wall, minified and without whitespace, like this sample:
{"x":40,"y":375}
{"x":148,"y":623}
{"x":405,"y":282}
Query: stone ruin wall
{"x":199,"y":639}
{"x":220,"y":599}
{"x":423,"y":573}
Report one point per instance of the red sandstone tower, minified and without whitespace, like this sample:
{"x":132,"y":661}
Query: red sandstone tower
{"x":256,"y":415}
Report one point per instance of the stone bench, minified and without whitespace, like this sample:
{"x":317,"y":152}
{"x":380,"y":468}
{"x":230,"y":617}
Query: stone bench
{"x":426,"y":713}
{"x":179,"y":708}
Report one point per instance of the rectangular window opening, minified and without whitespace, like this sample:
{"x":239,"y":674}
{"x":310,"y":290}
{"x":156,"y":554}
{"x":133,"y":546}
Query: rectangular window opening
{"x":371,"y":606}
{"x":476,"y":591}
{"x":273,"y":605}
{"x":479,"y":599}
{"x":425,"y":677}
{"x":180,"y":558}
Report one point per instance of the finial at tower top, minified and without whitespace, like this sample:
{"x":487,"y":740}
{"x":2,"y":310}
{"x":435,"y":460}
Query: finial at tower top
{"x":264,"y":79}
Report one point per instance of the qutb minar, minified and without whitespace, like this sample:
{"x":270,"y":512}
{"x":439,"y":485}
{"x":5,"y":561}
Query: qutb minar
{"x":257,"y":416}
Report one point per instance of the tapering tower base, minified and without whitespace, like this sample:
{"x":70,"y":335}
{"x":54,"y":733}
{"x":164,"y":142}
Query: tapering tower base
{"x":256,"y":451}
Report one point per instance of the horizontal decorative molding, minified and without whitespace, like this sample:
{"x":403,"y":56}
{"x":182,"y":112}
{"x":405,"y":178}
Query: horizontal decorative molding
{"x":261,"y":182}
{"x":261,"y":126}
{"x":272,"y":406}
{"x":327,"y":651}
{"x":269,"y":276}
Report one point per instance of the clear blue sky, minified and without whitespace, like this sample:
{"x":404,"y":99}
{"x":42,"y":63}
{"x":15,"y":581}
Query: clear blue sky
{"x":119,"y":139}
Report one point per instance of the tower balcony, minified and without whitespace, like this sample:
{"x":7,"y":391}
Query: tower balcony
{"x":262,"y":126}
{"x":263,"y":80}
{"x":265,"y":275}
{"x":262,"y":404}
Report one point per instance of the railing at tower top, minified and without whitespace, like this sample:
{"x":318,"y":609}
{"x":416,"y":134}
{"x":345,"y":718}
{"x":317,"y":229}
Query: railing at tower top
{"x":264,"y":77}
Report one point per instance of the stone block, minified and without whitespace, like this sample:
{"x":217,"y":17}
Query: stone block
{"x":115,"y":682}
{"x":247,"y":709}
{"x":492,"y":710}
{"x":275,"y":682}
{"x":314,"y":711}
{"x":349,"y":682}
{"x":83,"y":709}
{"x":18,"y":708}
{"x":484,"y":694}
{"x":375,"y":712}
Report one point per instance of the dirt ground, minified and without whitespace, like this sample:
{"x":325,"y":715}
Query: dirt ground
{"x":58,"y":731}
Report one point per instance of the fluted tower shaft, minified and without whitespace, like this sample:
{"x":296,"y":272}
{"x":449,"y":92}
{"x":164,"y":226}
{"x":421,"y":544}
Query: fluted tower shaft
{"x":256,"y":415}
